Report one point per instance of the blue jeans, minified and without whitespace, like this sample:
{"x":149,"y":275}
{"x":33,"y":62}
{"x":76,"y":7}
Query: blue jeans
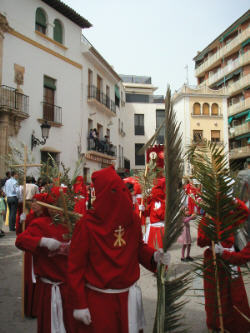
{"x":12,"y":204}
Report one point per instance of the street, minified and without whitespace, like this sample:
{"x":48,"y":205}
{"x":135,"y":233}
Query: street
{"x":10,"y":290}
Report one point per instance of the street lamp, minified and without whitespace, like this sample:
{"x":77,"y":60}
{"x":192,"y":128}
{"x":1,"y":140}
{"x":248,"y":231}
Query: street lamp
{"x":45,"y":127}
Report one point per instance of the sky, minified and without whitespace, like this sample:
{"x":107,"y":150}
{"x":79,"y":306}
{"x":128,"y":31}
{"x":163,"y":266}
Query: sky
{"x":157,"y":38}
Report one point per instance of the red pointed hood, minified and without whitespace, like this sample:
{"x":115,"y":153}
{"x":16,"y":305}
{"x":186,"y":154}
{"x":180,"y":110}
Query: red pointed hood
{"x":112,"y":206}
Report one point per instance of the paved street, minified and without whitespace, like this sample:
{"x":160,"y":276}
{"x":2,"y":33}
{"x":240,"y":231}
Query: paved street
{"x":10,"y":290}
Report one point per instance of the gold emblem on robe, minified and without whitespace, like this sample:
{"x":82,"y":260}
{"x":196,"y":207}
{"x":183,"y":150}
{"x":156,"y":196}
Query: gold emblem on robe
{"x":118,"y":233}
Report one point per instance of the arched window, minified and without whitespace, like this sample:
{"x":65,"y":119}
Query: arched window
{"x":196,"y":109}
{"x":215,"y":109}
{"x":41,"y":22}
{"x":58,"y":31}
{"x":205,"y":109}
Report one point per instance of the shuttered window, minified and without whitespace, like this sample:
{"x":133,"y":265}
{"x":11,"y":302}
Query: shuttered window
{"x":215,"y":136}
{"x":58,"y":31}
{"x":41,"y":20}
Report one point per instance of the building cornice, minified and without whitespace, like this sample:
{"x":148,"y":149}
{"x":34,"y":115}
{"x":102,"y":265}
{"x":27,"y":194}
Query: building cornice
{"x":44,"y":48}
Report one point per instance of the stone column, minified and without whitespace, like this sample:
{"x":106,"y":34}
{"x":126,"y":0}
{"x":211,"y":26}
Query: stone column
{"x":4,"y":27}
{"x":4,"y":118}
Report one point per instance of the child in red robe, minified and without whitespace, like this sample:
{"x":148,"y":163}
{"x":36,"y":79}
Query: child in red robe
{"x":156,"y":211}
{"x":104,"y":258}
{"x":45,"y":241}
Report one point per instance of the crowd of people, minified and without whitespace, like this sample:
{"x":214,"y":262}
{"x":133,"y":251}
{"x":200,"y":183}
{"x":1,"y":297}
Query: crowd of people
{"x":88,"y":283}
{"x":102,"y":145}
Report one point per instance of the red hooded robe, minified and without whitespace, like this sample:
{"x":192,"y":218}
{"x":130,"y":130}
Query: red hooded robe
{"x":99,"y":257}
{"x":232,"y":292}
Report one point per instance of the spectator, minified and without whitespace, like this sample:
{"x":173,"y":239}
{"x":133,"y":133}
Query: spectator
{"x":2,"y":212}
{"x":11,"y":190}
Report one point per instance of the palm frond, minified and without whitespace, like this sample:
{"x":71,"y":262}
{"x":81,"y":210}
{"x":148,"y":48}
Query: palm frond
{"x":168,"y":316}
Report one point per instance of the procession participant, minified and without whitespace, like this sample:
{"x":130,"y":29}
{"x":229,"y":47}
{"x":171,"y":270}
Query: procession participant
{"x":232,"y":290}
{"x":104,"y":258}
{"x":81,"y":199}
{"x":29,"y":276}
{"x":156,"y":212}
{"x":45,"y":241}
{"x":11,"y":191}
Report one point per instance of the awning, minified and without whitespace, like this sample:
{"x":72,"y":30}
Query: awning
{"x":248,"y":117}
{"x":50,"y":149}
{"x":230,"y":119}
{"x":241,"y":114}
{"x":49,"y":83}
{"x":117,"y":92}
{"x":234,"y":27}
{"x":229,"y":76}
{"x":246,"y":42}
{"x":247,"y":135}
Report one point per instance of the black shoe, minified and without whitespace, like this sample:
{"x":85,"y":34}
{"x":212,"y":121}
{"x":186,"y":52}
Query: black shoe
{"x":2,"y":233}
{"x":189,"y":259}
{"x":183,"y":259}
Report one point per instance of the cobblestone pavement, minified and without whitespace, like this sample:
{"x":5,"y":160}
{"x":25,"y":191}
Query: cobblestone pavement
{"x":10,"y":290}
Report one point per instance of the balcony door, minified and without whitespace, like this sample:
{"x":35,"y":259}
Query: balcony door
{"x":99,"y":88}
{"x":49,"y":89}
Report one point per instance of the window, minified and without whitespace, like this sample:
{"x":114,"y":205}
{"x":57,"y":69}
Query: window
{"x":205,"y":109}
{"x":90,"y":82}
{"x":99,"y":88}
{"x":160,"y":116}
{"x":41,"y":21}
{"x":49,"y":88}
{"x":197,"y":136}
{"x":107,"y":97}
{"x":139,"y":159}
{"x":215,"y":136}
{"x":139,"y":124}
{"x":215,"y":109}
{"x":58,"y":31}
{"x":45,"y":157}
{"x":137,"y":98}
{"x":117,"y":96}
{"x":196,"y":109}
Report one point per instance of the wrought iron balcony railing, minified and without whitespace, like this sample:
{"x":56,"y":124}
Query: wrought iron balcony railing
{"x":12,"y":99}
{"x":52,"y":113}
{"x":97,"y":94}
{"x":101,"y":146}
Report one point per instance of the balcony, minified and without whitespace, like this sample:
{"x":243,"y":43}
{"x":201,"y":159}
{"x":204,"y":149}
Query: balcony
{"x":101,"y":100}
{"x":13,"y":102}
{"x":241,"y":61}
{"x":222,"y":52}
{"x":237,"y":86}
{"x":239,"y":130}
{"x":241,"y":152}
{"x":101,"y":152}
{"x":52,"y":113}
{"x":238,"y":107}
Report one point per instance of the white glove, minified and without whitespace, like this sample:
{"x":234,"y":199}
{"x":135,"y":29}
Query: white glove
{"x":162,"y":257}
{"x":83,"y":315}
{"x":141,"y":208}
{"x":22,"y":217}
{"x":51,"y":243}
{"x":219,"y":249}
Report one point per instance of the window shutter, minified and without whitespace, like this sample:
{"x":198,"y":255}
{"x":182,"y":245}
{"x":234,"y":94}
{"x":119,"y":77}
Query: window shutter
{"x":58,"y":31}
{"x":40,"y":17}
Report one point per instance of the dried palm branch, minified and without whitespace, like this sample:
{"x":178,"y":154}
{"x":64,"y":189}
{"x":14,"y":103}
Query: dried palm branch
{"x":173,"y":223}
{"x":211,"y":169}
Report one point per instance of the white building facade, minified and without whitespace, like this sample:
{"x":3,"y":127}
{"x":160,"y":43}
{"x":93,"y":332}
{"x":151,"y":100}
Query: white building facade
{"x":49,"y":72}
{"x":145,"y":112}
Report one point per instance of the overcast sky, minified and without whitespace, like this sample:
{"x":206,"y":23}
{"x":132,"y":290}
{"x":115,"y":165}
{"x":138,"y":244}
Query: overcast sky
{"x":156,"y":38}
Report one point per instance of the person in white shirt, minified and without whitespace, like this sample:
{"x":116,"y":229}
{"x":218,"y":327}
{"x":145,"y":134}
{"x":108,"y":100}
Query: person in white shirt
{"x":11,"y":190}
